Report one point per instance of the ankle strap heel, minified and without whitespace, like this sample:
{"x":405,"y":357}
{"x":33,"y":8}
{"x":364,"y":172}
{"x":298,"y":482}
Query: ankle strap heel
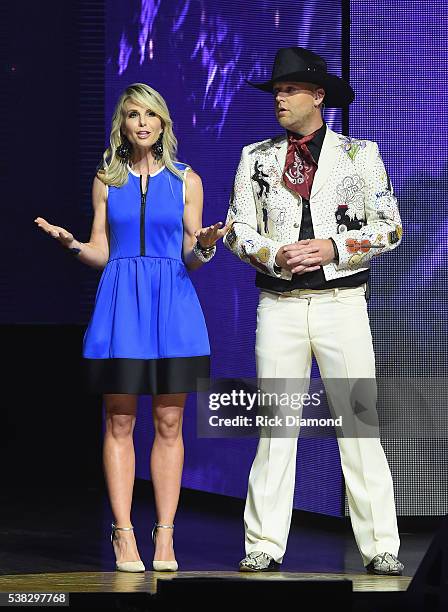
{"x":162,"y":566}
{"x":159,"y":526}
{"x":126,"y":566}
{"x":115,"y":528}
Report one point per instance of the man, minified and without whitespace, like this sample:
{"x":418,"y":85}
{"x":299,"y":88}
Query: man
{"x":309,"y":210}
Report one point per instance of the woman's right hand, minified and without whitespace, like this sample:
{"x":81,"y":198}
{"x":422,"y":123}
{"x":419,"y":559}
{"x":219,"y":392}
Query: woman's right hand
{"x":61,"y":234}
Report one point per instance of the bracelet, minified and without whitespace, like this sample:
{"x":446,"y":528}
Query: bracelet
{"x":75,"y":251}
{"x":204,"y":254}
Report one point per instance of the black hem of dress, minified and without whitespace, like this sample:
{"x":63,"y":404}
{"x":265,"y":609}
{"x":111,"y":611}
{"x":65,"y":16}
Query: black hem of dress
{"x":146,"y":376}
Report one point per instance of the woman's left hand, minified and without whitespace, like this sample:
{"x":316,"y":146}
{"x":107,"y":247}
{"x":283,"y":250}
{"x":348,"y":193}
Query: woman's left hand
{"x":208,"y":236}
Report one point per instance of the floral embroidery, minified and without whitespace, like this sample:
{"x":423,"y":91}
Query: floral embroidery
{"x":351,"y":146}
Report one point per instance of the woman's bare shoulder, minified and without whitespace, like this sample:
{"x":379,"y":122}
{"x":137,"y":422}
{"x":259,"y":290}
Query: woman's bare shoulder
{"x":99,"y":191}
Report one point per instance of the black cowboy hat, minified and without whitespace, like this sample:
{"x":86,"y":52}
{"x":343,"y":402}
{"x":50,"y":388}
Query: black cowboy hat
{"x":304,"y":66}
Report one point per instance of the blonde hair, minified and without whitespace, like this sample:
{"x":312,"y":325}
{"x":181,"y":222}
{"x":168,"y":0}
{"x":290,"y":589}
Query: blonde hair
{"x":114,"y":171}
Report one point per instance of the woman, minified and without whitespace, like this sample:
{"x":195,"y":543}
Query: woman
{"x":147,"y":334}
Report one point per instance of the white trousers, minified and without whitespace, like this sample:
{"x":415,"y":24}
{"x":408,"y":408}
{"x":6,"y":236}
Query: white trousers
{"x":334,"y":326}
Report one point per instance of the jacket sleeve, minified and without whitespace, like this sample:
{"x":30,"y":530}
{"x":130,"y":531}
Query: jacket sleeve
{"x":382,"y":231}
{"x":243,"y":237}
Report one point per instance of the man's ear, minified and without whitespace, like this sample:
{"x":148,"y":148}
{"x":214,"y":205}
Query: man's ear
{"x":319,"y":92}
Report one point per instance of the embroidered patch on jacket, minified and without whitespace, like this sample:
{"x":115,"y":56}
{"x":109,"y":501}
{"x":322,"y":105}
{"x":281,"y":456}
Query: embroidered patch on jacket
{"x":360,"y":248}
{"x":252,"y":259}
{"x":343,"y":221}
{"x":350,"y":192}
{"x":364,"y":245}
{"x":231,"y":237}
{"x":260,"y":176}
{"x":232,"y":208}
{"x":394,"y":236}
{"x":262,"y":255}
{"x":278,"y":215}
{"x":386,"y":203}
{"x":351,"y":146}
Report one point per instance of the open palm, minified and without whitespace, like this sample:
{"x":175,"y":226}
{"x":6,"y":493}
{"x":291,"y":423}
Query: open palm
{"x":61,"y":234}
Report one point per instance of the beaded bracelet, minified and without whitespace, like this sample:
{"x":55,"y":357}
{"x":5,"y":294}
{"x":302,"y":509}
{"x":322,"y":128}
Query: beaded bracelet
{"x":204,"y":254}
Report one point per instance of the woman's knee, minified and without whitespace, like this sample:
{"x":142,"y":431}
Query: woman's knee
{"x":120,"y":417}
{"x":120,"y":425}
{"x":168,"y":425}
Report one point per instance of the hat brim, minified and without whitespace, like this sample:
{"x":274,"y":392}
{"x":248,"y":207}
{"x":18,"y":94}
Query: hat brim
{"x":338,"y":93}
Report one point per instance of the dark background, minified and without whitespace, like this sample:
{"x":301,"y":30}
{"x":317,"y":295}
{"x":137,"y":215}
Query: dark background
{"x":50,"y":429}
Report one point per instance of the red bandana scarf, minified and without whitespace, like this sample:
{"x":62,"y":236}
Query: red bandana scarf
{"x":300,"y":166}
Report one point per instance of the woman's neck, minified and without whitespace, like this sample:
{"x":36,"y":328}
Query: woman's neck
{"x":145,"y":164}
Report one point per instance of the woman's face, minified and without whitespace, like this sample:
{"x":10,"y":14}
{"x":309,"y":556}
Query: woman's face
{"x":141,"y":126}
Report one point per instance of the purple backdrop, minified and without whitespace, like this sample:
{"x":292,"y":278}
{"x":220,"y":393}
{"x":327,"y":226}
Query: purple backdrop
{"x":398,"y":59}
{"x":198,"y":55}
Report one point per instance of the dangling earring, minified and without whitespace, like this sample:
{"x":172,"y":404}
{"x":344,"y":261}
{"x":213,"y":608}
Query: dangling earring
{"x":157,"y":147}
{"x":124,"y":150}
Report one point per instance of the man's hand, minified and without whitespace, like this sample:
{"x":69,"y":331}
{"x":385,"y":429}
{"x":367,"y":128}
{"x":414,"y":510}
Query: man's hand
{"x":305,"y":255}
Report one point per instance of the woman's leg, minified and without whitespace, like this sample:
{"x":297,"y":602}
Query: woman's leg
{"x":167,"y":459}
{"x":119,"y":468}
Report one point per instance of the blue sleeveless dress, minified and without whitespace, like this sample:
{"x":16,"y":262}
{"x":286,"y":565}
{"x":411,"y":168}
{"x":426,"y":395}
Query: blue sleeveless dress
{"x":147,"y":333}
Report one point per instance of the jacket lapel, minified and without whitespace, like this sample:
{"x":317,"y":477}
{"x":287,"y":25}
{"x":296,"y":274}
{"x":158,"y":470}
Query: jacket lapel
{"x":327,"y":160}
{"x":280,"y":148}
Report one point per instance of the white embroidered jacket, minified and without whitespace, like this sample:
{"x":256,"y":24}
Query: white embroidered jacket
{"x":351,"y":201}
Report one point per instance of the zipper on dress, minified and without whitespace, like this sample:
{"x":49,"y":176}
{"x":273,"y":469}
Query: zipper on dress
{"x":142,"y":214}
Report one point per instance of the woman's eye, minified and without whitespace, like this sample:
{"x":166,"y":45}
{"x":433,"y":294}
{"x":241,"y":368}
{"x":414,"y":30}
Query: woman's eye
{"x":133,"y":114}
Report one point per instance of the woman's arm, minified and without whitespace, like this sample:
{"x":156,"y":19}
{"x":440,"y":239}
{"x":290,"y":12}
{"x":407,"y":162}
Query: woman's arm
{"x":194,"y":233}
{"x":94,"y":253}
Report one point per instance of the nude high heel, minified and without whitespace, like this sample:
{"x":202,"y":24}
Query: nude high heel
{"x":126,"y":566}
{"x":162,"y":566}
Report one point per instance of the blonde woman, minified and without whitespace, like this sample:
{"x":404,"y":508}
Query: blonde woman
{"x":147,"y":333}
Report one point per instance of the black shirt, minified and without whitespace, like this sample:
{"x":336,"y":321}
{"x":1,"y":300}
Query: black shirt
{"x":316,"y":279}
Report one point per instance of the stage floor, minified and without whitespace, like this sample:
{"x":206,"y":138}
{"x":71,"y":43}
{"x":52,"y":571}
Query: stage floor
{"x":59,"y":541}
{"x":120,"y":582}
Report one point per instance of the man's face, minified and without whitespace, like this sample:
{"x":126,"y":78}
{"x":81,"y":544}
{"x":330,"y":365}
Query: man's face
{"x":296,"y":103}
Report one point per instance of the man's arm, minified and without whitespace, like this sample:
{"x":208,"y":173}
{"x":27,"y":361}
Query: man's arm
{"x":243,"y":238}
{"x":383,"y":229}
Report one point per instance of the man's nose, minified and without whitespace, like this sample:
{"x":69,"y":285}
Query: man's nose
{"x":279,"y":97}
